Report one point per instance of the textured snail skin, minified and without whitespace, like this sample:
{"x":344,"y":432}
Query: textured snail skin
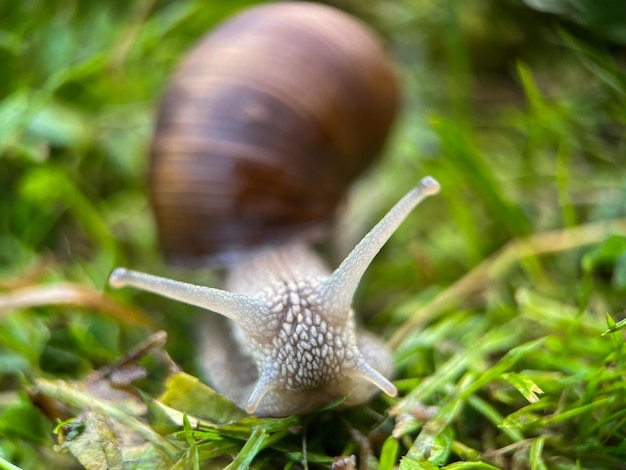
{"x":313,"y":352}
{"x":292,"y":344}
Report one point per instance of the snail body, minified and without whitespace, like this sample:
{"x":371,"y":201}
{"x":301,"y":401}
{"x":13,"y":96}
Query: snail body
{"x":237,"y":136}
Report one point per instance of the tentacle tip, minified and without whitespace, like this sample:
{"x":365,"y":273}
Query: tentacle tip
{"x":261,"y":388}
{"x":118,"y":277}
{"x":366,"y":372}
{"x":391,"y":391}
{"x":429,"y":185}
{"x":386,"y":386}
{"x":253,"y":402}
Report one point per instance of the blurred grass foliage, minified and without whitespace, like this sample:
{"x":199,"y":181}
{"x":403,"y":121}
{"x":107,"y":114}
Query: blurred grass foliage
{"x":495,"y":294}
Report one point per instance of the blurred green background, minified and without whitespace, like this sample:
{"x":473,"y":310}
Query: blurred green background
{"x":517,"y":107}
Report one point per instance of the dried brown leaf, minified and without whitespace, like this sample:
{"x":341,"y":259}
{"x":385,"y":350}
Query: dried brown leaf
{"x":75,"y":295}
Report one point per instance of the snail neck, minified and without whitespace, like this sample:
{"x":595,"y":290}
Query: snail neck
{"x":284,"y":264}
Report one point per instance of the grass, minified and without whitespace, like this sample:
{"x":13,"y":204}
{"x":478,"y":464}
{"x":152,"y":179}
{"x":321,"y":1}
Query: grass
{"x":503,"y":297}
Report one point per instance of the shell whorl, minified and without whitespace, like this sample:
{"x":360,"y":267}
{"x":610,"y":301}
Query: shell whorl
{"x":264,"y":126}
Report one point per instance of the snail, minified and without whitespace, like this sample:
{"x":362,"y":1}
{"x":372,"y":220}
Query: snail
{"x":259,"y":134}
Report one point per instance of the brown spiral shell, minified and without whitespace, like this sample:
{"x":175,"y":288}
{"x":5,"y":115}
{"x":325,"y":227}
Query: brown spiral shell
{"x":263,"y":127}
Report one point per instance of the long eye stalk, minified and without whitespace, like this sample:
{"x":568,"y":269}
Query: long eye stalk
{"x":340,"y":287}
{"x":246,"y":311}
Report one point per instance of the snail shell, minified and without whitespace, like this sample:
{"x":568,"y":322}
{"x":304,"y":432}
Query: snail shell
{"x":264,"y":126}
